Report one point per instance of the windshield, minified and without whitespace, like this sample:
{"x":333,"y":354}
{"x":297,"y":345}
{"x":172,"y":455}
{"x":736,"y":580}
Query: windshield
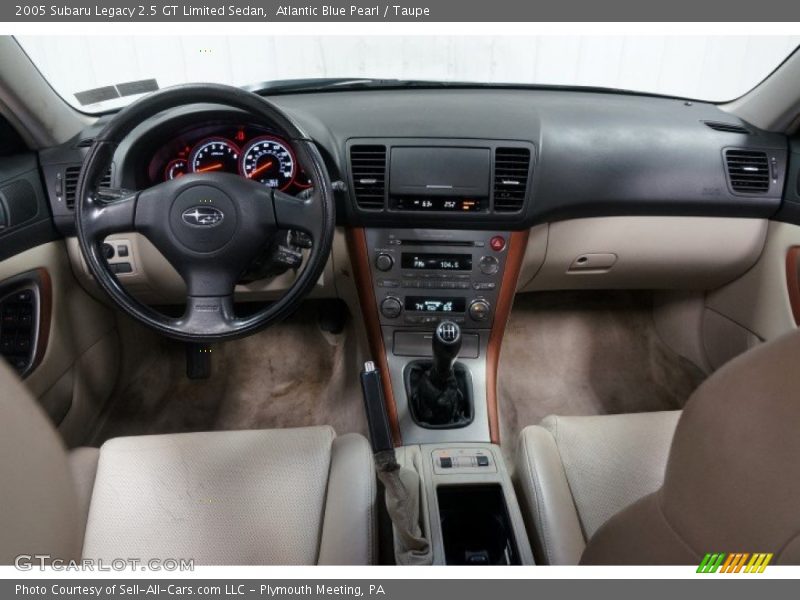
{"x":100,"y":73}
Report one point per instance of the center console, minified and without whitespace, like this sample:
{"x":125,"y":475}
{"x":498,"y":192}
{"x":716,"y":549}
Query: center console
{"x":437,"y":243}
{"x":436,"y":264}
{"x":421,"y":277}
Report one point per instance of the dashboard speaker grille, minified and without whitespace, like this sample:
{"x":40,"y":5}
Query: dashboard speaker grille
{"x":71,"y":183}
{"x":511,"y":169}
{"x":748,"y":171}
{"x":368,"y":168}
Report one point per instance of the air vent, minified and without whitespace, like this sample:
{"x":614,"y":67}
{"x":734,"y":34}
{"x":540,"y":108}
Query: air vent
{"x":748,"y":171}
{"x":727,"y":127}
{"x":71,"y":183}
{"x":85,"y":143}
{"x":511,"y":167}
{"x":368,"y":167}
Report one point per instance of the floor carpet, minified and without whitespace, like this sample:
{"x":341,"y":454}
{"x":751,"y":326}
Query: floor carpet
{"x":586,"y":353}
{"x":565,"y":353}
{"x":290,"y":375}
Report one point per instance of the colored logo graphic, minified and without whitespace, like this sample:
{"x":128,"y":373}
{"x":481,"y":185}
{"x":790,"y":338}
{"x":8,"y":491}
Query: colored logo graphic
{"x":735,"y":562}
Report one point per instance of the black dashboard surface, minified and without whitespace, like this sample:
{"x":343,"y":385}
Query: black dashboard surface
{"x":594,"y":153}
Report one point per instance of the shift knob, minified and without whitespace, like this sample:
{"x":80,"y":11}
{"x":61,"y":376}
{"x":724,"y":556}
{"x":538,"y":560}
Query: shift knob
{"x":446,"y":346}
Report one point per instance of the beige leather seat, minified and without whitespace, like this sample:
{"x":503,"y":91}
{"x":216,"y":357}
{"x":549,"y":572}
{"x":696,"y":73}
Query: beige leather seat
{"x":666,"y":488}
{"x":294,"y":496}
{"x":575,"y":473}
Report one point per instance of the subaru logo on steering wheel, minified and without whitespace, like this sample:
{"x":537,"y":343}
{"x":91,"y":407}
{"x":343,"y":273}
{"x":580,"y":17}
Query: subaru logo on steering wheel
{"x":203,"y":216}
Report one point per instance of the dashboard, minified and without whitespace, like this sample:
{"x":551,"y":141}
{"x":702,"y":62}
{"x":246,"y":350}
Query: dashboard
{"x":448,"y":164}
{"x":433,"y":158}
{"x":251,"y":151}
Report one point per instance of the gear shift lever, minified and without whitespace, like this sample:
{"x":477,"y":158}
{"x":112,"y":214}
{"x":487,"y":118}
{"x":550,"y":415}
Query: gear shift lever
{"x":446,"y":346}
{"x":439,"y":390}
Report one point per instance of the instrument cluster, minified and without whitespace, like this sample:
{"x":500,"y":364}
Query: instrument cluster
{"x":250,"y":151}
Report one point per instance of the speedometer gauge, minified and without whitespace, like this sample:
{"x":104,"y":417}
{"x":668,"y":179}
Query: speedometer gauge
{"x":215,"y":155}
{"x":270,"y":161}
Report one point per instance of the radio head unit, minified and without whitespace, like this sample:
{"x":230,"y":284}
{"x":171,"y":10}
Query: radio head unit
{"x":424,"y":276}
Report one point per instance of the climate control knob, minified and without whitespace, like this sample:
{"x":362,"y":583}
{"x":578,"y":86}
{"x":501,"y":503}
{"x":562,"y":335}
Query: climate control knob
{"x":384,"y":262}
{"x":479,"y":310}
{"x":391,"y":307}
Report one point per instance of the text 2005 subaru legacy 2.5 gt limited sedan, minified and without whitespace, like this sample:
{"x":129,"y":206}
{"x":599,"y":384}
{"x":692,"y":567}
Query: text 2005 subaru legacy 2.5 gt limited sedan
{"x":337,"y":320}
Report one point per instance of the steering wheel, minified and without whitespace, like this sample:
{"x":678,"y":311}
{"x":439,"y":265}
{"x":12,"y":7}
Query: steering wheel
{"x":209,"y":226}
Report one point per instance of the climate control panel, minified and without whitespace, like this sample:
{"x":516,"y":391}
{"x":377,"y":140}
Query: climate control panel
{"x":422,"y":276}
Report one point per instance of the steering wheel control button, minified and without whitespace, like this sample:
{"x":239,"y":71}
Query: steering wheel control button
{"x":391,"y":307}
{"x":203,"y":218}
{"x":497,"y":243}
{"x":384,"y":262}
{"x":479,"y":310}
{"x":489,"y":265}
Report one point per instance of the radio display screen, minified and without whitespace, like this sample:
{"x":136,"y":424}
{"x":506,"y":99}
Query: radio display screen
{"x":435,"y":304}
{"x":436,"y":262}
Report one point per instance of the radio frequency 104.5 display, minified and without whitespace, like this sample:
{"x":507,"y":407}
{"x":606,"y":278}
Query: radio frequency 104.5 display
{"x":436,"y":262}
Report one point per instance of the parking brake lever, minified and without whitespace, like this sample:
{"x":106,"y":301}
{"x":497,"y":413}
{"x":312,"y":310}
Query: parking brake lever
{"x":380,"y":435}
{"x":401,"y":484}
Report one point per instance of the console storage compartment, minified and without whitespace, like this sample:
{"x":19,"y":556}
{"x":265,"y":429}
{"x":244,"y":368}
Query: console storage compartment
{"x":476,"y":528}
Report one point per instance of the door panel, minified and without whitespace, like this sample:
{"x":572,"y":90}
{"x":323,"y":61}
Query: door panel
{"x":63,"y":341}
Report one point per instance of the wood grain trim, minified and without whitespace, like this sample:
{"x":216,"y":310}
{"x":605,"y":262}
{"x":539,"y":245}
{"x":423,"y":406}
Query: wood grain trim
{"x":359,"y":259}
{"x":505,"y":299}
{"x":793,"y":281}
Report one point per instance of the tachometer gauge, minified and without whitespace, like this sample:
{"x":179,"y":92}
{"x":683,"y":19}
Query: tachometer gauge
{"x":176,"y":168}
{"x":215,"y":155}
{"x":270,"y":161}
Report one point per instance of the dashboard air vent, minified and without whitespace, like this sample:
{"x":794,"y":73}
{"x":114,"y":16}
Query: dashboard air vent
{"x":71,"y":183}
{"x":727,"y":127}
{"x":511,"y":167}
{"x":748,"y":171}
{"x":85,"y":143}
{"x":368,"y":167}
